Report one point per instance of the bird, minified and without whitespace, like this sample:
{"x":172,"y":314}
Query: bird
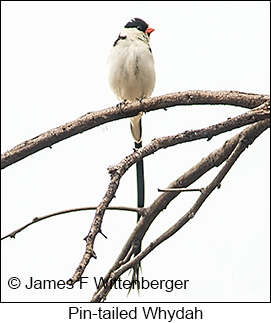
{"x":131,"y":76}
{"x":131,"y":72}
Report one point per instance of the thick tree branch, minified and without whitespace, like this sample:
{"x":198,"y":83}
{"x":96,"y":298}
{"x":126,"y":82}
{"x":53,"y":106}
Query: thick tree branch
{"x":230,"y":152}
{"x":258,"y":118}
{"x":97,"y":118}
{"x":119,"y":170}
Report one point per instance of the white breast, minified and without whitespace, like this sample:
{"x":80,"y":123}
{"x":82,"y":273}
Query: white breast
{"x":131,"y":68}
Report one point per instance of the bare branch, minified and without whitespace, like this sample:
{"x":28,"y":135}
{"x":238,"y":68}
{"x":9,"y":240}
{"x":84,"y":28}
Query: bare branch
{"x":97,"y":118}
{"x":180,"y":190}
{"x":119,"y":170}
{"x":37,"y":219}
{"x":234,"y":149}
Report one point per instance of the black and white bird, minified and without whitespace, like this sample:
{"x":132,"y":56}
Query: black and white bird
{"x":131,"y":67}
{"x":132,"y":77}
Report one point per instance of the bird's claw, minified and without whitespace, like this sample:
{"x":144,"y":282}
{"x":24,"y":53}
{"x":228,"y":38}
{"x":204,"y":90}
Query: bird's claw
{"x":122,"y":103}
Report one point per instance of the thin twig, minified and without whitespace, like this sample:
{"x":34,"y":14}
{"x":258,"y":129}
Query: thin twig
{"x":37,"y":219}
{"x":180,"y":190}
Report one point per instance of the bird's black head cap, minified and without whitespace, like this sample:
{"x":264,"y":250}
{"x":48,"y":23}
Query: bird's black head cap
{"x":137,"y":23}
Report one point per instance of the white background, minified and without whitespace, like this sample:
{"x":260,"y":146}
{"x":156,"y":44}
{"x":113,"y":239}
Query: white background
{"x":54,"y":70}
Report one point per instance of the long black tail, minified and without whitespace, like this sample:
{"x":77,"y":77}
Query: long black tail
{"x":140,"y":201}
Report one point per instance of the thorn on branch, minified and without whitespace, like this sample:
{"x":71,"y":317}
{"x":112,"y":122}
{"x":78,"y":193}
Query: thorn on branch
{"x":93,"y":254}
{"x":86,"y":237}
{"x":103,"y":234}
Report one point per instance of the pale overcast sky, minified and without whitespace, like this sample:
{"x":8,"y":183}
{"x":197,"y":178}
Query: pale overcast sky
{"x":54,"y":70}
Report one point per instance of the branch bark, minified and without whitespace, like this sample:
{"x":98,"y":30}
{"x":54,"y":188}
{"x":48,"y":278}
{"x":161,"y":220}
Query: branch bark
{"x":229,"y":152}
{"x":119,"y":170}
{"x":258,"y":119}
{"x":97,"y":118}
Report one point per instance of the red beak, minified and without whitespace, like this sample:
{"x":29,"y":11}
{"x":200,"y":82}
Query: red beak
{"x":149,"y":30}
